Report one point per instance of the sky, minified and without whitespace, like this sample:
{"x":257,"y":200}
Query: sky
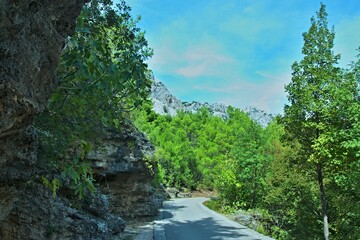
{"x":237,"y":52}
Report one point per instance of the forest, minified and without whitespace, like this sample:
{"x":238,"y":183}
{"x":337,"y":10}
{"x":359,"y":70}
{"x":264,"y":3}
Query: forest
{"x":301,"y":171}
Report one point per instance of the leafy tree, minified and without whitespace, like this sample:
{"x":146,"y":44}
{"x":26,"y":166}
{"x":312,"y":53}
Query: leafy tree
{"x":315,"y":117}
{"x":343,"y":146}
{"x":101,"y":76}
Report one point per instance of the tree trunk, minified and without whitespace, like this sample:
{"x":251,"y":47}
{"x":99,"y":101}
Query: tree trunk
{"x":323,"y":199}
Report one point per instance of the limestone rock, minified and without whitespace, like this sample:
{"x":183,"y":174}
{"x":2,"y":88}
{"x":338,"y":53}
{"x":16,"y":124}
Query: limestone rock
{"x":217,"y":109}
{"x":32,"y":35}
{"x":31,"y":212}
{"x":18,"y":156}
{"x":172,"y":192}
{"x":121,"y":164}
{"x":166,"y":103}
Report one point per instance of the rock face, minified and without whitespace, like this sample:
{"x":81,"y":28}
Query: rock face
{"x":166,"y":103}
{"x":217,"y":109}
{"x":259,"y":116}
{"x":32,"y":35}
{"x":126,"y":188}
{"x":30,"y":212}
{"x":123,"y":168}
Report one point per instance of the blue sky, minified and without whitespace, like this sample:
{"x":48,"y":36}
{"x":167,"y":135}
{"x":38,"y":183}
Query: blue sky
{"x":237,"y":52}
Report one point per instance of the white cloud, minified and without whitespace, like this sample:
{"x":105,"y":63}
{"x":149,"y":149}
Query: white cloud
{"x":271,"y":94}
{"x":268,"y":95}
{"x":231,"y":88}
{"x":203,"y":61}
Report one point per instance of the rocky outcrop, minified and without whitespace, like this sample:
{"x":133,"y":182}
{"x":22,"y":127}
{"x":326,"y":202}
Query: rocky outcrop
{"x":125,"y":189}
{"x":32,"y":35}
{"x":30,"y":212}
{"x":166,"y":103}
{"x":123,"y":167}
{"x":259,"y":116}
{"x":217,"y":109}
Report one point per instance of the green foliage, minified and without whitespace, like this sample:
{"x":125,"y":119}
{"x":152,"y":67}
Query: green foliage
{"x":53,"y":185}
{"x":198,"y":149}
{"x":80,"y":175}
{"x":292,"y":195}
{"x":102,"y":76}
{"x":323,"y":118}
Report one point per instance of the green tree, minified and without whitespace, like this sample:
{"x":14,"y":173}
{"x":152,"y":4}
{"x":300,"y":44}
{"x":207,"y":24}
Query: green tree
{"x":343,"y":145}
{"x":290,"y":192}
{"x":309,"y":95}
{"x":102,"y":74}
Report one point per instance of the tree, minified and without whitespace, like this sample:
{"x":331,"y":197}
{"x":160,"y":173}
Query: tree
{"x":101,"y":76}
{"x":307,"y":118}
{"x":344,"y":149}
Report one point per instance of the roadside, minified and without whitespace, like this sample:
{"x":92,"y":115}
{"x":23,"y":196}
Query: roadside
{"x":139,"y":229}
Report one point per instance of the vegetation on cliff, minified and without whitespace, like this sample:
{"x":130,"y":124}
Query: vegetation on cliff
{"x":102,"y":75}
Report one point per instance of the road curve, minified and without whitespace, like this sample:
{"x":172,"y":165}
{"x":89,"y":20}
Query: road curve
{"x":189,"y":219}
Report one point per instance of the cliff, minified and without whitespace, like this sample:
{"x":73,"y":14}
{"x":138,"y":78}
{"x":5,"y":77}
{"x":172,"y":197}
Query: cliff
{"x":124,"y":171}
{"x":166,"y":103}
{"x":32,"y":36}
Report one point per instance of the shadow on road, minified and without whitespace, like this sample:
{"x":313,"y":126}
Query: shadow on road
{"x":206,"y":228}
{"x":174,"y":208}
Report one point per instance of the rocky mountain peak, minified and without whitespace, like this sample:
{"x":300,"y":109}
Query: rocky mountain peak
{"x":217,"y":109}
{"x":166,"y":103}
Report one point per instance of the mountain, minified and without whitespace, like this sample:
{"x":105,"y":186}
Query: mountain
{"x":164,"y":101}
{"x":167,"y":103}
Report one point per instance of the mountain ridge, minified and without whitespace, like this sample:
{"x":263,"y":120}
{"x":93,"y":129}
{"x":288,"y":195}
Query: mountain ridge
{"x":164,"y":102}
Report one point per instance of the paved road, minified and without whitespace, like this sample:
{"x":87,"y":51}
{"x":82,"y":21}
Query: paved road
{"x":189,"y":219}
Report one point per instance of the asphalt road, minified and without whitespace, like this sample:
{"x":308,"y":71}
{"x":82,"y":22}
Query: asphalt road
{"x":189,"y":219}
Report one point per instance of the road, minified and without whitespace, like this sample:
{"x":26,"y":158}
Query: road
{"x":189,"y":219}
